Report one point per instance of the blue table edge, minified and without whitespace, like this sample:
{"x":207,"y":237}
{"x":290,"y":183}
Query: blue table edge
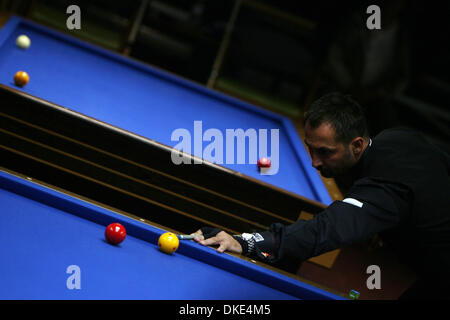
{"x":316,"y":183}
{"x":149,"y":233}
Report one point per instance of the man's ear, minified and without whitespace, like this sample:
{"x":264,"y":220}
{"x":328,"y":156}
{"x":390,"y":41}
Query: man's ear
{"x":357,"y":146}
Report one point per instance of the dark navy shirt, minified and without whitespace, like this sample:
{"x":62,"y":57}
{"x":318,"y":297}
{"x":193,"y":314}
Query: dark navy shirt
{"x":401,"y":191}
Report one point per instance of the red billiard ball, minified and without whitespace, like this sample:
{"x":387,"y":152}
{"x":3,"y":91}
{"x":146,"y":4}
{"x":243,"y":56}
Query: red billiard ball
{"x":115,"y":233}
{"x":21,"y":78}
{"x":264,"y":163}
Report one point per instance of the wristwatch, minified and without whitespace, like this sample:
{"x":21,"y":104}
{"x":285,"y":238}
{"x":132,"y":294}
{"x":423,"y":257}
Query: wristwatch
{"x":247,"y":242}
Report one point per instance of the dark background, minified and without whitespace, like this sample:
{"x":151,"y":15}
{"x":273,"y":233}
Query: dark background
{"x":281,"y":55}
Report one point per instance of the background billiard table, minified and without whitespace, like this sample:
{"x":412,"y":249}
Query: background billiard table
{"x":146,"y":101}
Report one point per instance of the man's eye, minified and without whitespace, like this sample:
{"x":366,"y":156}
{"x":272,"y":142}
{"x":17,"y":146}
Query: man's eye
{"x":324,"y":152}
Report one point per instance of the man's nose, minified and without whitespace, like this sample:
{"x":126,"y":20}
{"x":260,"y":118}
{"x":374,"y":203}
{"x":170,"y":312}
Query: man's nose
{"x":316,"y":163}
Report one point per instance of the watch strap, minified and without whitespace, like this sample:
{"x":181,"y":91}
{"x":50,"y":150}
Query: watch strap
{"x":247,"y":243}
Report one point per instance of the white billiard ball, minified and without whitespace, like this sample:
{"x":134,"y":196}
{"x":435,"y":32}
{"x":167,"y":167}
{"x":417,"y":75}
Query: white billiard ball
{"x":23,"y":41}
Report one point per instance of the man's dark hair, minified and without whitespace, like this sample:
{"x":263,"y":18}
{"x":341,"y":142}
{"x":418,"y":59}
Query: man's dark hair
{"x":342,"y":112}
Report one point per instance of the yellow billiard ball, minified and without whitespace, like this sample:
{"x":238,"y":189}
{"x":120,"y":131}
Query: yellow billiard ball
{"x":21,"y":78}
{"x":168,"y":242}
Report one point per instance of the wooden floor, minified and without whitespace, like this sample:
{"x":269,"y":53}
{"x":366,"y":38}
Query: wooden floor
{"x":4,"y":16}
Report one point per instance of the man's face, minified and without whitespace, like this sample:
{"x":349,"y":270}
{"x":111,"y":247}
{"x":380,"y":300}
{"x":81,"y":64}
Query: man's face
{"x":331,"y":158}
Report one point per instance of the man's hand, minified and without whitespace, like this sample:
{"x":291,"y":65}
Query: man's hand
{"x":225,"y":242}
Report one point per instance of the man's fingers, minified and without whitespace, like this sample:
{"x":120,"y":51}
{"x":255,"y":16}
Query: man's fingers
{"x":223,"y":247}
{"x":210,"y":241}
{"x":198,"y":232}
{"x":223,"y":243}
{"x":198,"y":235}
{"x":223,"y":240}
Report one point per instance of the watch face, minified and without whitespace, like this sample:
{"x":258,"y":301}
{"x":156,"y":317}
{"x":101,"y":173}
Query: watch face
{"x":246,"y":236}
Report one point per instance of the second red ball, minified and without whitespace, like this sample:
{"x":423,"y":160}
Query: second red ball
{"x":264,"y":163}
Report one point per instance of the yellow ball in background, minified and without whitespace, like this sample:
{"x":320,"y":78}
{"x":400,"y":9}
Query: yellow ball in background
{"x":21,"y":78}
{"x":168,"y":242}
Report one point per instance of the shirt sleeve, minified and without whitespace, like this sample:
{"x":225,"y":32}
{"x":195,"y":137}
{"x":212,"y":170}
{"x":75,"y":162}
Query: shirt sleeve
{"x":371,"y":206}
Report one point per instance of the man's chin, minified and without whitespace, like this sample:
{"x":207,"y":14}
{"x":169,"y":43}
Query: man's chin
{"x":327,"y":174}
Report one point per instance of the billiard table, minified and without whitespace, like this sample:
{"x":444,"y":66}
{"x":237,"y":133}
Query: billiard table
{"x":152,"y":104}
{"x":53,"y":247}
